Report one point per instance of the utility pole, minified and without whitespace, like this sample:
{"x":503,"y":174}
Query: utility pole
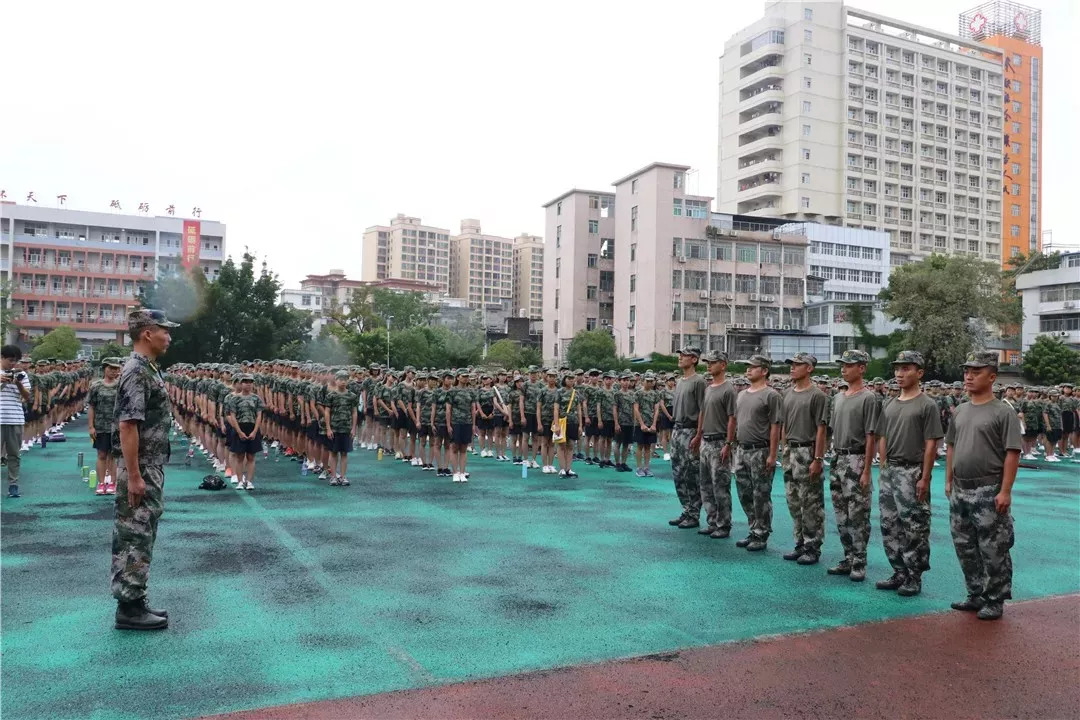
{"x":388,"y":319}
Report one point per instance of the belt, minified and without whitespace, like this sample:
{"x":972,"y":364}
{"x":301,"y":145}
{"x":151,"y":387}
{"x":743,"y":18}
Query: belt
{"x":714,"y":438}
{"x":753,"y":446}
{"x":851,"y":451}
{"x":902,"y":463}
{"x":686,"y":426}
{"x":978,"y":482}
{"x":808,"y":443}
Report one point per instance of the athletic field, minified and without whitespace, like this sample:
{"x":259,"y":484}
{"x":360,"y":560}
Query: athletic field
{"x":299,"y":592}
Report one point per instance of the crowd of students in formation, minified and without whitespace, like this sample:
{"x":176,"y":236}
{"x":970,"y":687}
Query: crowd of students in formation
{"x":711,"y":427}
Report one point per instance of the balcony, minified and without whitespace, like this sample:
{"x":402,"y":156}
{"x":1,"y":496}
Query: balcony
{"x":770,"y":107}
{"x":769,"y":136}
{"x":766,"y":181}
{"x":39,"y":241}
{"x":770,"y":89}
{"x":766,"y":62}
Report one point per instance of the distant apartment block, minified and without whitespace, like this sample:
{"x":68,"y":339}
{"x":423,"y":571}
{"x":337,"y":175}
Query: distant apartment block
{"x":86,"y":269}
{"x":481,"y":266}
{"x":1051,"y":300}
{"x":407,"y":249}
{"x":528,"y":296}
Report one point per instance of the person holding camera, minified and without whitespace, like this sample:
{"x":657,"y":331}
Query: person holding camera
{"x":14,"y":392}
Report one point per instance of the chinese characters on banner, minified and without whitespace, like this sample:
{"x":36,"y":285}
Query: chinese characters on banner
{"x":190,"y":244}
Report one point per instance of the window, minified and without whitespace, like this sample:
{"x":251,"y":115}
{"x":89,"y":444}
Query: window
{"x":1016,"y":127}
{"x":806,"y":82}
{"x":594,"y":202}
{"x":1014,"y":230}
{"x":808,"y":13}
{"x":633,"y":218}
{"x":633,"y":252}
{"x":1014,"y":148}
{"x":677,"y":182}
{"x":592,"y":260}
{"x":556,"y":307}
{"x":676,"y":207}
{"x":806,"y":106}
{"x":305,"y":300}
{"x":590,"y":323}
{"x":808,"y":35}
{"x":633,"y":283}
{"x":1015,"y":168}
{"x":594,"y":227}
{"x":808,"y":59}
{"x":1017,"y":60}
{"x":1014,"y":189}
{"x":607,"y":280}
{"x":806,"y":130}
{"x":558,"y":235}
{"x":558,"y":264}
{"x":746,"y":283}
{"x":1016,"y":106}
{"x":607,"y":248}
{"x":590,"y":292}
{"x":805,"y":178}
{"x":633,"y":314}
{"x":633,"y":187}
{"x":805,"y":201}
{"x":1015,"y":210}
{"x":806,"y":153}
{"x":558,"y":208}
{"x":747,"y":253}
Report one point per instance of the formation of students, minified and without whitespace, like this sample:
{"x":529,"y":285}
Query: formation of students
{"x":58,"y":390}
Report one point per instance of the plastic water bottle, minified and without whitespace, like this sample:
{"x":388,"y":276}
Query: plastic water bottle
{"x":525,"y":470}
{"x":380,"y":453}
{"x":86,"y":473}
{"x":79,"y":463}
{"x":93,"y":479}
{"x":303,"y":468}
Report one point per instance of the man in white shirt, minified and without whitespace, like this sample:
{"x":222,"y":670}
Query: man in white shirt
{"x":14,"y":391}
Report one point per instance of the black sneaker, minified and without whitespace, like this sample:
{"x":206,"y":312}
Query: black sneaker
{"x":841,"y":568}
{"x":757,"y":545}
{"x":893,"y":583}
{"x":971,"y":604}
{"x":13,"y":491}
{"x":744,"y":542}
{"x":911,"y":587}
{"x":794,"y":554}
{"x":991,"y":611}
{"x":571,"y":474}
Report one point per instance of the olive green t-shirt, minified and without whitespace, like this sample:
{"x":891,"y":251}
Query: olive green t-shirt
{"x":906,"y":425}
{"x":756,"y":411}
{"x":718,"y":407}
{"x":980,"y":435}
{"x":853,"y":418}
{"x":804,"y":412}
{"x":689,"y":395}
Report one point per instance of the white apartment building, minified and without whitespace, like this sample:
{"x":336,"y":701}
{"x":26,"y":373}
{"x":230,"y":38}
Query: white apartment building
{"x":1051,"y":300}
{"x":579,"y":267}
{"x":406,"y":249}
{"x":845,"y":117}
{"x":528,"y":282}
{"x":481,"y":266}
{"x":86,"y":269}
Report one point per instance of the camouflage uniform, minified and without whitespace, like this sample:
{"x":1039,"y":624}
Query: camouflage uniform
{"x":141,"y":395}
{"x":716,"y":484}
{"x":103,"y":399}
{"x":851,"y":505}
{"x":342,"y":405}
{"x":805,"y":496}
{"x":905,"y":521}
{"x":754,"y":486}
{"x":982,"y":537}
{"x":685,"y":470}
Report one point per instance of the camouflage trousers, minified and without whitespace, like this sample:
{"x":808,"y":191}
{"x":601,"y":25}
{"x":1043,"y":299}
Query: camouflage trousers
{"x":754,"y":486}
{"x":851,"y":504}
{"x":982,"y":537}
{"x":905,"y":521}
{"x":685,"y":469}
{"x":715,"y":484}
{"x":134,"y":532}
{"x":805,"y":495}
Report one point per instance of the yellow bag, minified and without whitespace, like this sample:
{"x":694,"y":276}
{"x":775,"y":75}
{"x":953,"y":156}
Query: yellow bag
{"x":558,"y":428}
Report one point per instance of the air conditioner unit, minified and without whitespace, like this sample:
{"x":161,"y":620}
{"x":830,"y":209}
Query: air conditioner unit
{"x":754,"y":297}
{"x":731,"y":232}
{"x":703,"y":324}
{"x":704,"y":295}
{"x":738,"y":326}
{"x":776,"y":234}
{"x":1070,"y":304}
{"x":785,"y":327}
{"x":629,"y":326}
{"x":768,"y":298}
{"x":729,"y":298}
{"x":753,"y":326}
{"x":681,"y":258}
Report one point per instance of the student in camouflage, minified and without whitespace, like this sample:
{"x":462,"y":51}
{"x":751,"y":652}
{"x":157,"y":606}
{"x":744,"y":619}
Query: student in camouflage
{"x":908,"y":433}
{"x":245,"y":412}
{"x":717,"y":442}
{"x":1053,"y":430}
{"x":102,"y":406}
{"x":339,"y":417}
{"x":853,"y":420}
{"x":647,"y":402}
{"x":546,"y":400}
{"x":143,"y":419}
{"x":981,"y":462}
{"x":460,"y":416}
{"x":686,"y":439}
{"x":603,"y":411}
{"x":623,"y":416}
{"x":805,"y":422}
{"x":758,"y":413}
{"x":568,"y":405}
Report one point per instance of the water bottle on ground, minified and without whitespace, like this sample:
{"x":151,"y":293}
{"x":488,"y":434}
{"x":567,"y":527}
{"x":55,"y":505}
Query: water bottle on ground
{"x":79,"y":463}
{"x":93,"y":479}
{"x":303,"y":468}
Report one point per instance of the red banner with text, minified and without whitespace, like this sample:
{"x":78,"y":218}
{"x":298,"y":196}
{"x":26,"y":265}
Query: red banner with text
{"x":190,"y":244}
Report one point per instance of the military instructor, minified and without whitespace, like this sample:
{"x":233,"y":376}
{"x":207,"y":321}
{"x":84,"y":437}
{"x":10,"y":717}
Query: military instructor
{"x":143,"y":416}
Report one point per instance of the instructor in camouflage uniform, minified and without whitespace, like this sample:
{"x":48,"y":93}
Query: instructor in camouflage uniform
{"x":758,"y":412}
{"x":983,"y":455}
{"x":908,"y":433}
{"x":143,"y":416}
{"x":805,"y":421}
{"x":718,"y":438}
{"x":686,"y":438}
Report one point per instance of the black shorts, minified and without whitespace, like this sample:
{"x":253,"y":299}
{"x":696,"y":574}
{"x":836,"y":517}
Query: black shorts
{"x":530,"y":424}
{"x":607,"y":431}
{"x":626,"y":435}
{"x":423,"y":431}
{"x":643,"y":438}
{"x":483,"y":423}
{"x":442,"y":432}
{"x":516,"y":431}
{"x":1067,"y":422}
{"x":384,"y":420}
{"x":664,"y":423}
{"x":544,"y":430}
{"x":463,"y":434}
{"x":1053,"y":436}
{"x":573,"y":432}
{"x":1030,"y":434}
{"x":103,"y":442}
{"x":590,"y":429}
{"x":340,"y":443}
{"x":498,"y":422}
{"x":244,"y":447}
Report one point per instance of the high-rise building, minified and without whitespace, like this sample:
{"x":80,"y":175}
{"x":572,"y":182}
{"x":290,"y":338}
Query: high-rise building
{"x":406,"y":249}
{"x":579,"y":267}
{"x":846,"y":117}
{"x":86,"y":269}
{"x":481,"y":266}
{"x":528,"y":293}
{"x":1017,"y":30}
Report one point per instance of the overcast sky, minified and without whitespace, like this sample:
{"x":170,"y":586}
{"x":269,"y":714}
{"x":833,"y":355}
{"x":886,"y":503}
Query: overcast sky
{"x":298,"y":128}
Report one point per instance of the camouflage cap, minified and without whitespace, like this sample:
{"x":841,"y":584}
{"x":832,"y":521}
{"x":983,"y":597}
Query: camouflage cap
{"x":112,"y":362}
{"x":374,"y":366}
{"x":649,"y":375}
{"x":148,"y":318}
{"x":627,"y":375}
{"x":246,"y":377}
{"x":594,"y":372}
{"x":802,"y":358}
{"x":690,"y":350}
{"x":551,"y":371}
{"x":981,"y":359}
{"x":342,"y":374}
{"x":758,"y":361}
{"x":909,"y":357}
{"x":958,"y":385}
{"x":842,"y":384}
{"x":715,"y":356}
{"x":854,"y":357}
{"x":610,"y":374}
{"x":534,"y":369}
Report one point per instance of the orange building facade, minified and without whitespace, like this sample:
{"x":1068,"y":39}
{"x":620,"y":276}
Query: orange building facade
{"x":1016,"y":29}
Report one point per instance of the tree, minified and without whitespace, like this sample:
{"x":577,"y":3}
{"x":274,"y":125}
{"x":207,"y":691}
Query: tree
{"x":946,"y":303}
{"x":112,"y":349}
{"x":368,"y":310}
{"x":60,"y":343}
{"x":506,"y":354}
{"x":531,"y":356}
{"x":7,"y":314}
{"x":1049,"y":360}
{"x":593,"y":349}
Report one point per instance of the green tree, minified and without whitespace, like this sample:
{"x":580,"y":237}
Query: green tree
{"x":1049,"y":361}
{"x":369,"y":309}
{"x":7,"y":314}
{"x":60,"y":343}
{"x":593,"y":349}
{"x":111,"y":349}
{"x":506,"y":354}
{"x":946,"y":303}
{"x":531,"y":356}
{"x":457,"y":348}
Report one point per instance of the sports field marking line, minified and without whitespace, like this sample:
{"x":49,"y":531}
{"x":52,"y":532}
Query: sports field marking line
{"x":417,"y":672}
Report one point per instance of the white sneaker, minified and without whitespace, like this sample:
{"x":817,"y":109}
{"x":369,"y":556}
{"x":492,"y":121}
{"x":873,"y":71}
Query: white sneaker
{"x":1052,"y":458}
{"x":667,"y":456}
{"x":1029,"y":456}
{"x":324,"y":475}
{"x":235,"y":481}
{"x":464,"y":478}
{"x":248,"y":485}
{"x":534,"y":465}
{"x":457,"y":477}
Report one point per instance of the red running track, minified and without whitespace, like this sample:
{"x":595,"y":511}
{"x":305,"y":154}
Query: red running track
{"x":948,"y":665}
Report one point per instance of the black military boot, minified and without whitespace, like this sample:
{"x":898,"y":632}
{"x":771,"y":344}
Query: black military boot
{"x":794,"y":554}
{"x":895,"y":582}
{"x":134,"y":616}
{"x":973,"y":603}
{"x":152,"y":611}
